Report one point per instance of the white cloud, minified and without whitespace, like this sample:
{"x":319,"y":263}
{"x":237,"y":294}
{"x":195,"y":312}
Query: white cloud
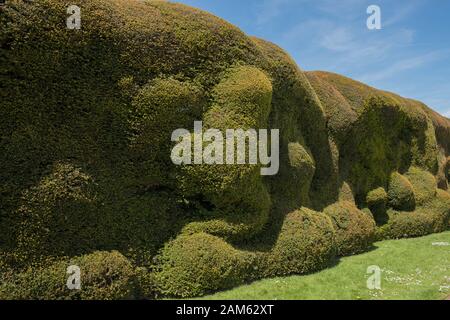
{"x":339,"y":39}
{"x":401,"y":12}
{"x":351,"y":46}
{"x":269,"y":10}
{"x":403,"y":65}
{"x":332,"y":35}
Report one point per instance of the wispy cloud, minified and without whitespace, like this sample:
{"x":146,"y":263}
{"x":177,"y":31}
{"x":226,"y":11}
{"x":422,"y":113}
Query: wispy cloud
{"x":350,"y":46}
{"x":342,"y":9}
{"x":332,"y":35}
{"x":269,"y":10}
{"x":402,"y":12}
{"x":339,"y":39}
{"x":405,"y":64}
{"x":359,"y":44}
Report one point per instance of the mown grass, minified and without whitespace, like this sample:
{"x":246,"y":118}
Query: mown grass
{"x":412,"y":269}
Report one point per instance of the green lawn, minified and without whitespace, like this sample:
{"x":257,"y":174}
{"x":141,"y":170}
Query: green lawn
{"x":411,"y":269}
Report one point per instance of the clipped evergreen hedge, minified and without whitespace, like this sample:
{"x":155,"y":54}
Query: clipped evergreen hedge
{"x":424,"y":184}
{"x":377,"y":201}
{"x":306,"y":243}
{"x":432,"y":217}
{"x":355,"y":229}
{"x":196,"y":264}
{"x":104,"y":276}
{"x":400,"y":193}
{"x":86,"y":175}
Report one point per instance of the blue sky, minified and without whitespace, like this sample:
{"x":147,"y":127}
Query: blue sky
{"x":410,"y":55}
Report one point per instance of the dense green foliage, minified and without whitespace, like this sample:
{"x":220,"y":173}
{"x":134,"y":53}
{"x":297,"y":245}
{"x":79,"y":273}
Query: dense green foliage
{"x":401,"y":193}
{"x":433,"y":216}
{"x":200,"y":263}
{"x":86,"y":175}
{"x":355,"y":229}
{"x":377,"y":203}
{"x":105,"y":276}
{"x":306,"y":234}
